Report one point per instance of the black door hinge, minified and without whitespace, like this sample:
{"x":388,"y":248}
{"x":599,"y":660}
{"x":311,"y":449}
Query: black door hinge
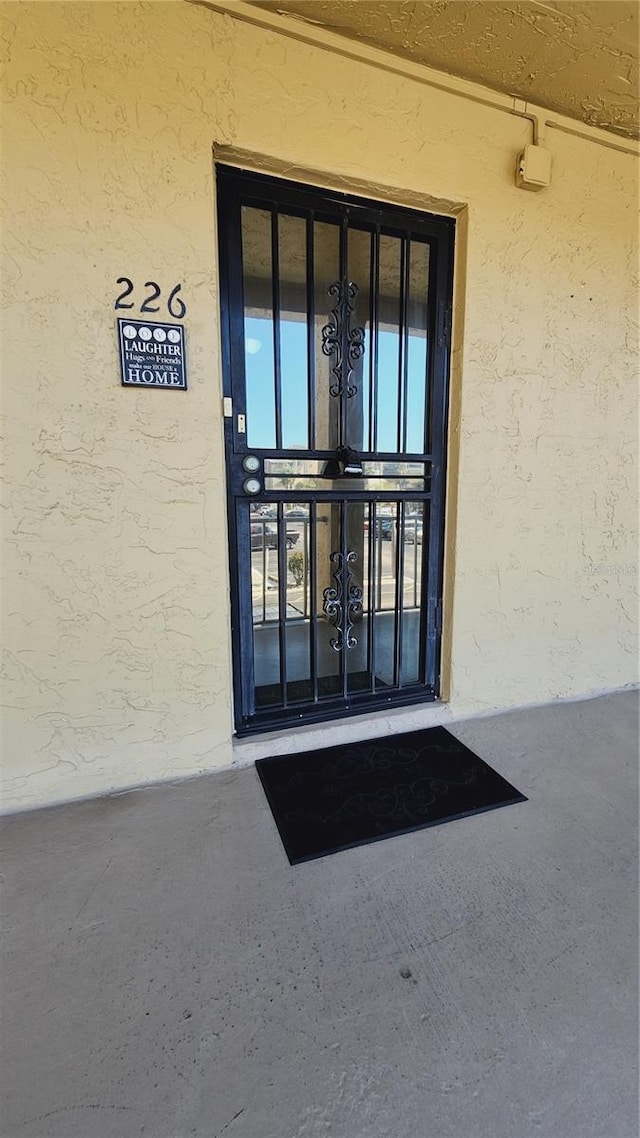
{"x":438,"y":617}
{"x":444,"y":333}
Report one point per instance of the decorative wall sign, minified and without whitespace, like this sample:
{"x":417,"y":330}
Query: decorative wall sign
{"x":152,"y":355}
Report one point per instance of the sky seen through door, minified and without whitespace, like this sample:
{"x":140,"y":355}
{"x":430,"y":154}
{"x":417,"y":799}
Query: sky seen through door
{"x":260,"y":385}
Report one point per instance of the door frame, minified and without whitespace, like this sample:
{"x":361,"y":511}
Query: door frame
{"x":440,"y":229}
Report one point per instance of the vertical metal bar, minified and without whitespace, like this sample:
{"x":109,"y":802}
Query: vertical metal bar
{"x":440,"y":295}
{"x":371,"y":594}
{"x":400,"y":345}
{"x":415,"y":562}
{"x":247,"y":630}
{"x":311,"y":335}
{"x":313,"y":589}
{"x":424,"y":579}
{"x":429,"y":640}
{"x":264,"y":574}
{"x":400,"y":612}
{"x":399,"y":573}
{"x":379,"y":560}
{"x":344,"y":270}
{"x":344,"y":671}
{"x":305,"y":568}
{"x":404,"y":339}
{"x":275,"y":292}
{"x":373,"y":355}
{"x":432,"y":336}
{"x":282,"y":602}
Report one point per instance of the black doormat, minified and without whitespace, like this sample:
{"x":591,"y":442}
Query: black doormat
{"x":340,"y":797}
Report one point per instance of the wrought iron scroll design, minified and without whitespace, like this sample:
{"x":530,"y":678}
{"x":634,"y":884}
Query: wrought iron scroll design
{"x":342,"y":602}
{"x":345,"y":344}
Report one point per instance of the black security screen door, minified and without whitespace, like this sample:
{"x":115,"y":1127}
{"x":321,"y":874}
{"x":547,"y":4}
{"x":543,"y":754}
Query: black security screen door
{"x":336,"y":314}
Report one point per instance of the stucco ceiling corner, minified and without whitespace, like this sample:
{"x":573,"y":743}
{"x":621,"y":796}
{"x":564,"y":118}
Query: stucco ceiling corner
{"x":576,"y":57}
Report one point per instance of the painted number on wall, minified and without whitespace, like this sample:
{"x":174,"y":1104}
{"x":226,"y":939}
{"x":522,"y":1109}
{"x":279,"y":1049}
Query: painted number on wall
{"x":175,"y":305}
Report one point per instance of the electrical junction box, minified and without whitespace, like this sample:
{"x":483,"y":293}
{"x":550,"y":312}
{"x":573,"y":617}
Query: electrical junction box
{"x":533,"y":170}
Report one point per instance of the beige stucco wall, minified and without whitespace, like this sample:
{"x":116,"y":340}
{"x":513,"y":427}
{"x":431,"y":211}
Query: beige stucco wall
{"x":115,"y":610}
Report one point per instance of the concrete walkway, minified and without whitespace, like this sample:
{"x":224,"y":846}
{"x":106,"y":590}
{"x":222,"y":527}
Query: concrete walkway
{"x":166,"y":972}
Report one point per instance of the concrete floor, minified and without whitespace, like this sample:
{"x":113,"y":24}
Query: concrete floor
{"x":167,"y":973}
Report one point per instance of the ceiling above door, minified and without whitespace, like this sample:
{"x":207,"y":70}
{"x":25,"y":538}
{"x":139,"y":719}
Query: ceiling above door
{"x":576,"y":58}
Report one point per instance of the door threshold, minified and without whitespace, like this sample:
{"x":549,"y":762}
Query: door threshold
{"x":354,"y":729}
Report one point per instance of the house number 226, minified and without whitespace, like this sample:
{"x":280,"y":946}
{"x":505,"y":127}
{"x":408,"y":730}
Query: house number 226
{"x":175,"y":305}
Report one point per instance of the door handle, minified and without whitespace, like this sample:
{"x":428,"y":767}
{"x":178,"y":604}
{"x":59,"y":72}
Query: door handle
{"x":346,"y":463}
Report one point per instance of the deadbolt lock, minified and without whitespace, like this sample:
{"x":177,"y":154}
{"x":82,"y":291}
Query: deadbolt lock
{"x":252,"y":486}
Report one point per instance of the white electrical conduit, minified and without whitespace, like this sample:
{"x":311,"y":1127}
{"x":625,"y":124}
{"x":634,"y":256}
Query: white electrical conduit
{"x":300,"y":29}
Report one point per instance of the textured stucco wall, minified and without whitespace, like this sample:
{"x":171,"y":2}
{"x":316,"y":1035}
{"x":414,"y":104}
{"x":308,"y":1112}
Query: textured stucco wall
{"x":115,"y":609}
{"x":577,"y":57}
